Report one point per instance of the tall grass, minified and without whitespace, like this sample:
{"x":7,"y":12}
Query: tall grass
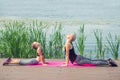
{"x":13,"y":39}
{"x":114,"y":45}
{"x":55,"y":42}
{"x":37,"y":33}
{"x":100,"y":47}
{"x":16,"y":39}
{"x":81,"y":40}
{"x":51,"y":42}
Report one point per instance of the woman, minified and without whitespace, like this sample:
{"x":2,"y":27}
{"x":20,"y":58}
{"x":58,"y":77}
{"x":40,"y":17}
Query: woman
{"x":70,"y":55}
{"x":33,"y":61}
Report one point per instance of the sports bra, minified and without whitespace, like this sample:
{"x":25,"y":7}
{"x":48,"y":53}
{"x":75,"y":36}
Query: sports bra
{"x":72,"y":55}
{"x":41,"y":52}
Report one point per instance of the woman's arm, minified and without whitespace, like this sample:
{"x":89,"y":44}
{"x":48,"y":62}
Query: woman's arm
{"x":67,"y":48}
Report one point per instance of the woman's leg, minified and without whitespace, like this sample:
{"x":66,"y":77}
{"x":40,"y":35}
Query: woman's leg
{"x":82,"y":60}
{"x":99,"y":62}
{"x":109,"y":62}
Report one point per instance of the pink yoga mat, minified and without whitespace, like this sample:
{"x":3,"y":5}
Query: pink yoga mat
{"x":58,"y":64}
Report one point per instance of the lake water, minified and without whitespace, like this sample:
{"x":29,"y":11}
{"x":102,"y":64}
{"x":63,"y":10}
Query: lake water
{"x":83,"y":10}
{"x":61,"y":9}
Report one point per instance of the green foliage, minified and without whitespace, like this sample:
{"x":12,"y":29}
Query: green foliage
{"x":114,"y":45}
{"x":81,"y":40}
{"x":55,"y":42}
{"x":16,"y":38}
{"x":36,"y":33}
{"x":13,"y":39}
{"x":100,"y":47}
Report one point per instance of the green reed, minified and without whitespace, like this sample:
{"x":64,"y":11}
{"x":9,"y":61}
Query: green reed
{"x":37,"y":33}
{"x":55,"y":42}
{"x":100,"y":47}
{"x":81,"y":40}
{"x":114,"y":45}
{"x":16,"y":39}
{"x":51,"y":42}
{"x":13,"y":39}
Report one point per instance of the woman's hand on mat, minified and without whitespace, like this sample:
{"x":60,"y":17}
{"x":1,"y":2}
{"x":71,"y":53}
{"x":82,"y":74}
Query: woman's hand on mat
{"x":64,"y":65}
{"x":64,"y":62}
{"x":46,"y":62}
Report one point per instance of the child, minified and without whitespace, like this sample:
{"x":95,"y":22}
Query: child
{"x":33,"y":61}
{"x":70,"y":55}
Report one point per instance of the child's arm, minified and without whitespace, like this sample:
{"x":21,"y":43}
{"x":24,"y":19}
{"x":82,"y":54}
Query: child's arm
{"x":43,"y":60}
{"x":41,"y":55}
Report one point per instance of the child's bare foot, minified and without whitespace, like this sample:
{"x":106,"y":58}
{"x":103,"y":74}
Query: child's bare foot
{"x":7,"y":62}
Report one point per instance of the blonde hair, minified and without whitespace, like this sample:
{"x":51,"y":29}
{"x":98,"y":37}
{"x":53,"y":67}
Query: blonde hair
{"x":73,"y":37}
{"x":35,"y":45}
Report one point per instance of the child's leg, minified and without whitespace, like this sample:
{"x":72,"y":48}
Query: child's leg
{"x":14,"y":61}
{"x":21,"y":62}
{"x":11,"y":61}
{"x":33,"y":61}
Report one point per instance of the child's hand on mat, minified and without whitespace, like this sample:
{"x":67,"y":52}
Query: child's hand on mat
{"x":44,"y":64}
